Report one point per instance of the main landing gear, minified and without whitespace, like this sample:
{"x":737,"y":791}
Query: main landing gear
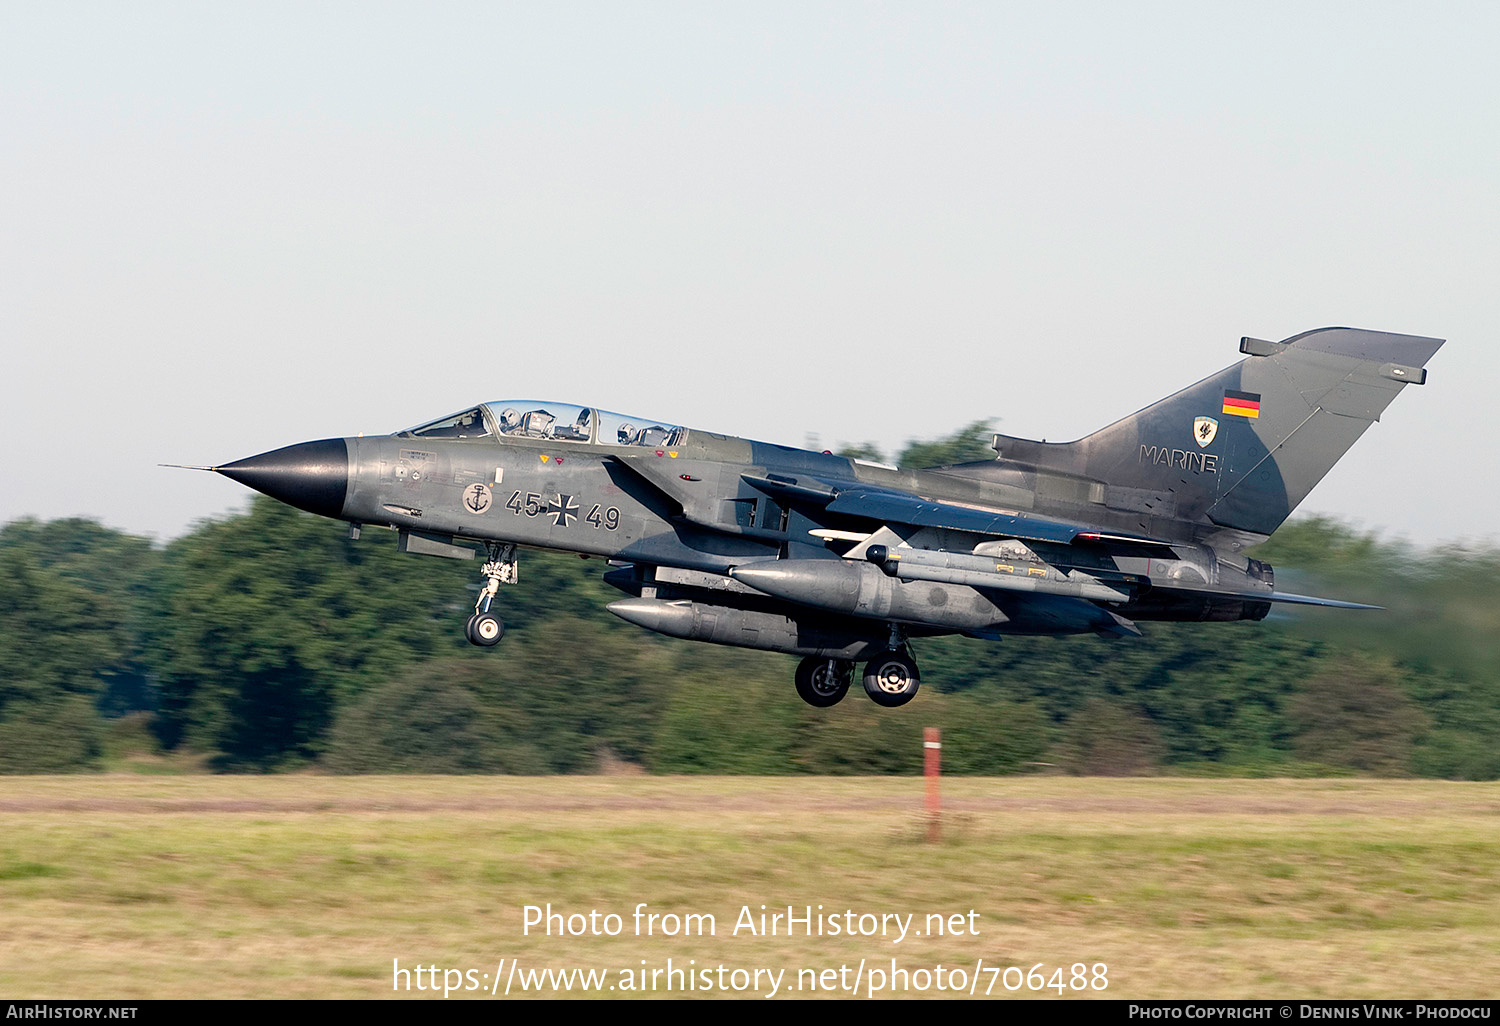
{"x":823,"y":682}
{"x":890,"y":679}
{"x":484,"y":627}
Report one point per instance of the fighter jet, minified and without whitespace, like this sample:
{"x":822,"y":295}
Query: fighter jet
{"x":842,"y":561}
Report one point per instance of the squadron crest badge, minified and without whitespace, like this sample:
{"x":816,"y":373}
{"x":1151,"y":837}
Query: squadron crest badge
{"x":1204,"y":429}
{"x":477,"y":498}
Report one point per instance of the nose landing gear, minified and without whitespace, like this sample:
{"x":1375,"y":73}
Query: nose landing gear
{"x":484,"y":627}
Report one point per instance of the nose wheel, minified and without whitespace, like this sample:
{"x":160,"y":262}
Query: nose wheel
{"x":484,"y":628}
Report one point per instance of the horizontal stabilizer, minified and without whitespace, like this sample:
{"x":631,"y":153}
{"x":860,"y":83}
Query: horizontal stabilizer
{"x":1310,"y":600}
{"x":1265,"y":596}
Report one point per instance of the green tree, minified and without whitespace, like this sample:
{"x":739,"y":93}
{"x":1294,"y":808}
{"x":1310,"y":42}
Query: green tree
{"x":740,"y":717}
{"x":264,"y":623}
{"x":66,"y":639}
{"x":431,"y":719}
{"x":862,"y":451}
{"x":1354,"y":714}
{"x":1110,"y":739}
{"x":969,"y":443}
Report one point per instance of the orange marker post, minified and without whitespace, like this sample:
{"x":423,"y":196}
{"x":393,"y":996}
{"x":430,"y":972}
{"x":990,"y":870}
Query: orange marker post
{"x":932,"y":748}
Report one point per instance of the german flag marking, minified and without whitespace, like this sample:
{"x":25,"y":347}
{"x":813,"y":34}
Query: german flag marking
{"x":1241,"y":404}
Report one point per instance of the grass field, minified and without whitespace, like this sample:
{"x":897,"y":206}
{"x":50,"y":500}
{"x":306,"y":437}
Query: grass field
{"x":307,"y":886}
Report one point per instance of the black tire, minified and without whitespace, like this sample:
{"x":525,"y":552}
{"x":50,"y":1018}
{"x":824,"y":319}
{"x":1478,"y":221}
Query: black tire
{"x":485,"y":630}
{"x":823,"y":682}
{"x":892,"y":679}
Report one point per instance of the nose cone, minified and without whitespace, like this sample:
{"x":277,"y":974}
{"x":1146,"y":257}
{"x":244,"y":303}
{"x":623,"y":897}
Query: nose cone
{"x":310,"y":475}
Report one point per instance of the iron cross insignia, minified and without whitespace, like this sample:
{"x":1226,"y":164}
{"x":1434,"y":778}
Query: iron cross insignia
{"x":563,"y":510}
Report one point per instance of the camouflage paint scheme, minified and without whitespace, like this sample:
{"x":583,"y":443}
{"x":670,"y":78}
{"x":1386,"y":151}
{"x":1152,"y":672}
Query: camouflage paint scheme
{"x":738,"y":542}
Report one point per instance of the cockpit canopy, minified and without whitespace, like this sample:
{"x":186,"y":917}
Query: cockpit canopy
{"x":561,"y":422}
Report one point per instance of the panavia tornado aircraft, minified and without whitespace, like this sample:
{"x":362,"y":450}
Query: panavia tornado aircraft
{"x":837,"y":560}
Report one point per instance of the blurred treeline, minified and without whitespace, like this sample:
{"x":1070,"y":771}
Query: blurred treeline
{"x":269,"y":640}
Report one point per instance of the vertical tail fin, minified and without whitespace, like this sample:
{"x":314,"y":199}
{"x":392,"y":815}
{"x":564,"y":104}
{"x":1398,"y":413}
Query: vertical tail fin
{"x":1243,"y":447}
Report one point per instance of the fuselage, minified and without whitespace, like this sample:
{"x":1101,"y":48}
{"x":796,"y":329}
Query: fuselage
{"x":705,"y":503}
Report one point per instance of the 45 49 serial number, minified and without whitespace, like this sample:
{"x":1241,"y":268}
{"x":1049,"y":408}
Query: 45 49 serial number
{"x":563,"y":509}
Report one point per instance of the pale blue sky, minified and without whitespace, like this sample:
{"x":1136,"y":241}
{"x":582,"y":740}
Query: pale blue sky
{"x":226,"y":228}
